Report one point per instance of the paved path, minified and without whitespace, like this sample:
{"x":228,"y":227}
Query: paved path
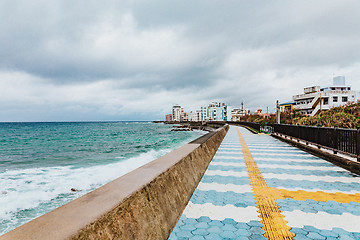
{"x":257,"y":187}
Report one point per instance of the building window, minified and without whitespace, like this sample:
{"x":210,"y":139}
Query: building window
{"x":344,"y":99}
{"x":335,"y":99}
{"x":326,"y":101}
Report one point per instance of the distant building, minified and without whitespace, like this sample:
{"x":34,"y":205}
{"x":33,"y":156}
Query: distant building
{"x":287,"y":106}
{"x":216,"y":111}
{"x":168,"y":117}
{"x":195,"y":116}
{"x":315,"y":99}
{"x":260,"y":113}
{"x":184,"y":116}
{"x":176,"y":113}
{"x":237,"y":113}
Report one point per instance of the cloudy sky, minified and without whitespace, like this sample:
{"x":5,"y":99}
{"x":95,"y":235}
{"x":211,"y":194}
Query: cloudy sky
{"x":132,"y":60}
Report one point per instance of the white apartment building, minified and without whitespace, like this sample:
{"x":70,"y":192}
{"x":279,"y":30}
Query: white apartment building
{"x":237,"y":113}
{"x":195,"y":116}
{"x":216,"y":111}
{"x":315,"y":99}
{"x":176,"y":113}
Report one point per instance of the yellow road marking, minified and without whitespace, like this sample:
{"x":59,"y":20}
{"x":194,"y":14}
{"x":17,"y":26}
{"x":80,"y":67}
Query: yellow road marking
{"x":319,"y":196}
{"x":274,"y":223}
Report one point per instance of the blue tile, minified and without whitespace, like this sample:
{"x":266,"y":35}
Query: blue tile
{"x":229,"y":227}
{"x":197,"y":237}
{"x":356,"y":235}
{"x":328,"y":233}
{"x":332,"y":238}
{"x":202,"y":225}
{"x":172,"y":236}
{"x":256,"y":230}
{"x":216,"y":223}
{"x":213,"y":236}
{"x":298,"y":231}
{"x":203,"y":219}
{"x":257,"y":237}
{"x":340,"y":231}
{"x":190,"y":221}
{"x":200,"y":231}
{"x":301,"y":237}
{"x":242,"y":232}
{"x":311,"y":229}
{"x":227,"y":234}
{"x":184,"y":234}
{"x":189,"y":227}
{"x":346,"y":237}
{"x":315,"y":235}
{"x":242,"y":226}
{"x":229,"y":221}
{"x":214,"y":229}
{"x":255,"y":224}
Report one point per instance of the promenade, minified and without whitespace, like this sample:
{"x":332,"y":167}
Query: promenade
{"x":257,"y":187}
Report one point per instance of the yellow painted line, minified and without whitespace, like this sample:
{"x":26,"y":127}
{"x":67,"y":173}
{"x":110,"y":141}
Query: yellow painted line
{"x":319,"y":196}
{"x":274,"y":223}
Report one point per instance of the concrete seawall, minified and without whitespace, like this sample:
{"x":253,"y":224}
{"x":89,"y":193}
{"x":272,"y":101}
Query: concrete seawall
{"x":143,"y":204}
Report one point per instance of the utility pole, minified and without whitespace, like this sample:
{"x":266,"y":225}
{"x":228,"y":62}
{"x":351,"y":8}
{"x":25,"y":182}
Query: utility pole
{"x":277,"y":112}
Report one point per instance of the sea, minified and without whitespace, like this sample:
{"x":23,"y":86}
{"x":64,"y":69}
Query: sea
{"x":41,"y":162}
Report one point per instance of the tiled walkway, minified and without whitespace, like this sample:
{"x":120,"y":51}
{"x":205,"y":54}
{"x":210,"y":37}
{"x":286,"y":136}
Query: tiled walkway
{"x":257,"y":187}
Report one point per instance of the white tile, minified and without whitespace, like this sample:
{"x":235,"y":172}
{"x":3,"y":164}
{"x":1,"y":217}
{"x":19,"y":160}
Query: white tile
{"x":323,"y":220}
{"x":224,"y":187}
{"x":313,"y":178}
{"x":226,"y":173}
{"x":221,"y":212}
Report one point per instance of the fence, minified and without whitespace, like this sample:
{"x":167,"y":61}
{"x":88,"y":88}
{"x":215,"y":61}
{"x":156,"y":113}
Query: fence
{"x":337,"y":139}
{"x":255,"y":126}
{"x":342,"y":140}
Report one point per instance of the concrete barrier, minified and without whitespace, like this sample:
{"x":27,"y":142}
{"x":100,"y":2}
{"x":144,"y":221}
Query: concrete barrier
{"x":143,"y":204}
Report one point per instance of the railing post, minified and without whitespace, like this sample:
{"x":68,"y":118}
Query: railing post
{"x":358,"y":144}
{"x":318,"y":137}
{"x":336,"y":140}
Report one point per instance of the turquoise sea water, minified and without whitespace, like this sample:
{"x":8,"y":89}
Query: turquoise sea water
{"x":41,"y":162}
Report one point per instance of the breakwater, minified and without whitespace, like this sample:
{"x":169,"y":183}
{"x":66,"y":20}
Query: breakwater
{"x":143,"y":204}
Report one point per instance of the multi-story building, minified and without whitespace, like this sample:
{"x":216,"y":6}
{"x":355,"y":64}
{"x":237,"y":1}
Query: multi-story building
{"x":195,"y":116}
{"x":168,"y":117}
{"x":176,"y":113}
{"x":237,"y":113}
{"x":315,"y":99}
{"x":286,"y":107}
{"x":216,"y":111}
{"x":184,"y":116}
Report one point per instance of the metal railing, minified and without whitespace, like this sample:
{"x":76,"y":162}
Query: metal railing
{"x":255,"y":126}
{"x":342,"y":140}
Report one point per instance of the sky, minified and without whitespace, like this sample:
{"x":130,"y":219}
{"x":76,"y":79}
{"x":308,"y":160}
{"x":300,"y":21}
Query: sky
{"x":132,"y":60}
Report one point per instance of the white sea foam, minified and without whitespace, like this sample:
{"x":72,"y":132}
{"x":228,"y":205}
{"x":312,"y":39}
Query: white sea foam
{"x":28,"y":188}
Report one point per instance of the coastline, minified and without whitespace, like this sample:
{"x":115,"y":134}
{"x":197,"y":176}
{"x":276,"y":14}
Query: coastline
{"x":143,"y":188}
{"x":32,"y":189}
